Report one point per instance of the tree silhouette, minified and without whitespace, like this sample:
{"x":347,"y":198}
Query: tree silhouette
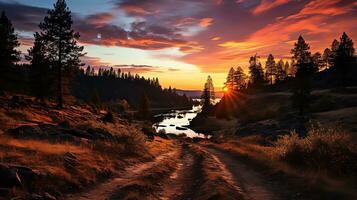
{"x":256,"y":72}
{"x":333,"y":52}
{"x":239,"y":79}
{"x":345,"y":58}
{"x":302,"y":60}
{"x":326,"y":56}
{"x":318,"y":61}
{"x":290,"y":70}
{"x":210,"y":88}
{"x":230,"y":79}
{"x":8,"y":44}
{"x":280,"y":72}
{"x":62,"y":50}
{"x":270,"y":69}
{"x":41,"y":73}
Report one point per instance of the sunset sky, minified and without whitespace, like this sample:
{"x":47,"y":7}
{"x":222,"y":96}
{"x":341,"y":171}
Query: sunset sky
{"x":183,"y":41}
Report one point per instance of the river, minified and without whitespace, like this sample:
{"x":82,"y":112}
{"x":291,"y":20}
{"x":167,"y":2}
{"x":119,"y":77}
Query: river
{"x":177,"y":122}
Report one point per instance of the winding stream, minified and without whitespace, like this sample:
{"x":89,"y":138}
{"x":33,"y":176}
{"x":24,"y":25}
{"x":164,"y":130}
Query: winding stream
{"x":177,"y":121}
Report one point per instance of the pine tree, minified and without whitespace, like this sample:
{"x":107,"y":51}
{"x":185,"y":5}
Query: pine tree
{"x":280,"y":72}
{"x":318,"y":61}
{"x":256,"y":72}
{"x":239,"y":79}
{"x":334,"y":48}
{"x":270,"y":69}
{"x":302,"y":60}
{"x":88,"y":71}
{"x":8,"y":44}
{"x":290,"y":70}
{"x":345,"y":58}
{"x":41,"y":72}
{"x":61,"y":44}
{"x":230,"y":79}
{"x":326,"y":58}
{"x":210,"y":88}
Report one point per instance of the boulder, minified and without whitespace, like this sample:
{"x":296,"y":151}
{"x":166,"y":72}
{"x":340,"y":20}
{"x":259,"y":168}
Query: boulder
{"x":47,"y":196}
{"x":26,"y":174}
{"x":9,"y":177}
{"x":69,"y":161}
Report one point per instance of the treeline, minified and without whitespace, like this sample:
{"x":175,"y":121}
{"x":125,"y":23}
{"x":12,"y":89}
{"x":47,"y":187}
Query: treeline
{"x":55,"y":69}
{"x":337,"y":61}
{"x":335,"y":68}
{"x":107,"y":85}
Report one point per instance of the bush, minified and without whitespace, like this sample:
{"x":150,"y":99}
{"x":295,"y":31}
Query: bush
{"x":109,"y":117}
{"x":323,"y":148}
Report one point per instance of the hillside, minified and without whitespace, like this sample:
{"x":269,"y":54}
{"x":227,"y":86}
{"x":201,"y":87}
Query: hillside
{"x":50,"y":153}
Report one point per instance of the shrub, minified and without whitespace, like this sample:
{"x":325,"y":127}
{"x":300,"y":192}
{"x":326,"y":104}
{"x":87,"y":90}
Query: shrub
{"x":109,"y":117}
{"x":323,"y":148}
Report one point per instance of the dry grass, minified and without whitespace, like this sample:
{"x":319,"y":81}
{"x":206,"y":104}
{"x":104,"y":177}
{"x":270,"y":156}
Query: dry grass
{"x":94,"y":160}
{"x":48,"y":160}
{"x":324,"y":160}
{"x":323,"y":149}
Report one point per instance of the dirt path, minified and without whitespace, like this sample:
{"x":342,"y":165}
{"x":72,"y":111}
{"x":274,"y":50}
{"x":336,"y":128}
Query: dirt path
{"x":254,"y":185}
{"x":190,"y":172}
{"x":184,"y":180}
{"x":105,"y":190}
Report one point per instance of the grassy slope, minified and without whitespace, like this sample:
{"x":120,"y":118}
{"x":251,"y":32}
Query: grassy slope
{"x":325,"y":160}
{"x":94,"y":161}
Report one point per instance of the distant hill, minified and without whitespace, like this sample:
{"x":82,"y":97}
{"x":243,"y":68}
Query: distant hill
{"x":194,"y":94}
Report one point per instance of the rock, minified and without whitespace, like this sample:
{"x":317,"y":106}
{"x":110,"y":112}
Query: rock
{"x":35,"y":197}
{"x":70,"y":161}
{"x":26,"y":174}
{"x":64,"y":124}
{"x":47,"y":196}
{"x":9,"y":177}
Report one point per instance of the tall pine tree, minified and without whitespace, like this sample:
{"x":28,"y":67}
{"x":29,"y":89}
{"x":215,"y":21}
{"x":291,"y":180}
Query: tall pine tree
{"x":41,"y":72}
{"x":256,"y":72}
{"x":62,"y":50}
{"x":270,"y":69}
{"x":8,"y":44}
{"x":280,"y":72}
{"x":302,"y":60}
{"x":344,"y":59}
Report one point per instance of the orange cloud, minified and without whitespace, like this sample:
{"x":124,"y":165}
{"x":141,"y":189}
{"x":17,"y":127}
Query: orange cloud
{"x":133,"y":9}
{"x":206,"y":22}
{"x":323,"y":7}
{"x":266,"y":5}
{"x":100,"y":19}
{"x":216,"y":38}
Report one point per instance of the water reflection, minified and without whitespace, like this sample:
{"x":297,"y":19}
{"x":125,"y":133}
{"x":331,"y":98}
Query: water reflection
{"x":177,"y":122}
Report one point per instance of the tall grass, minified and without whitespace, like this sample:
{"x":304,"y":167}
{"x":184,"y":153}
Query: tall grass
{"x":323,"y":149}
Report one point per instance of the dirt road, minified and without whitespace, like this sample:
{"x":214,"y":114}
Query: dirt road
{"x":190,"y":172}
